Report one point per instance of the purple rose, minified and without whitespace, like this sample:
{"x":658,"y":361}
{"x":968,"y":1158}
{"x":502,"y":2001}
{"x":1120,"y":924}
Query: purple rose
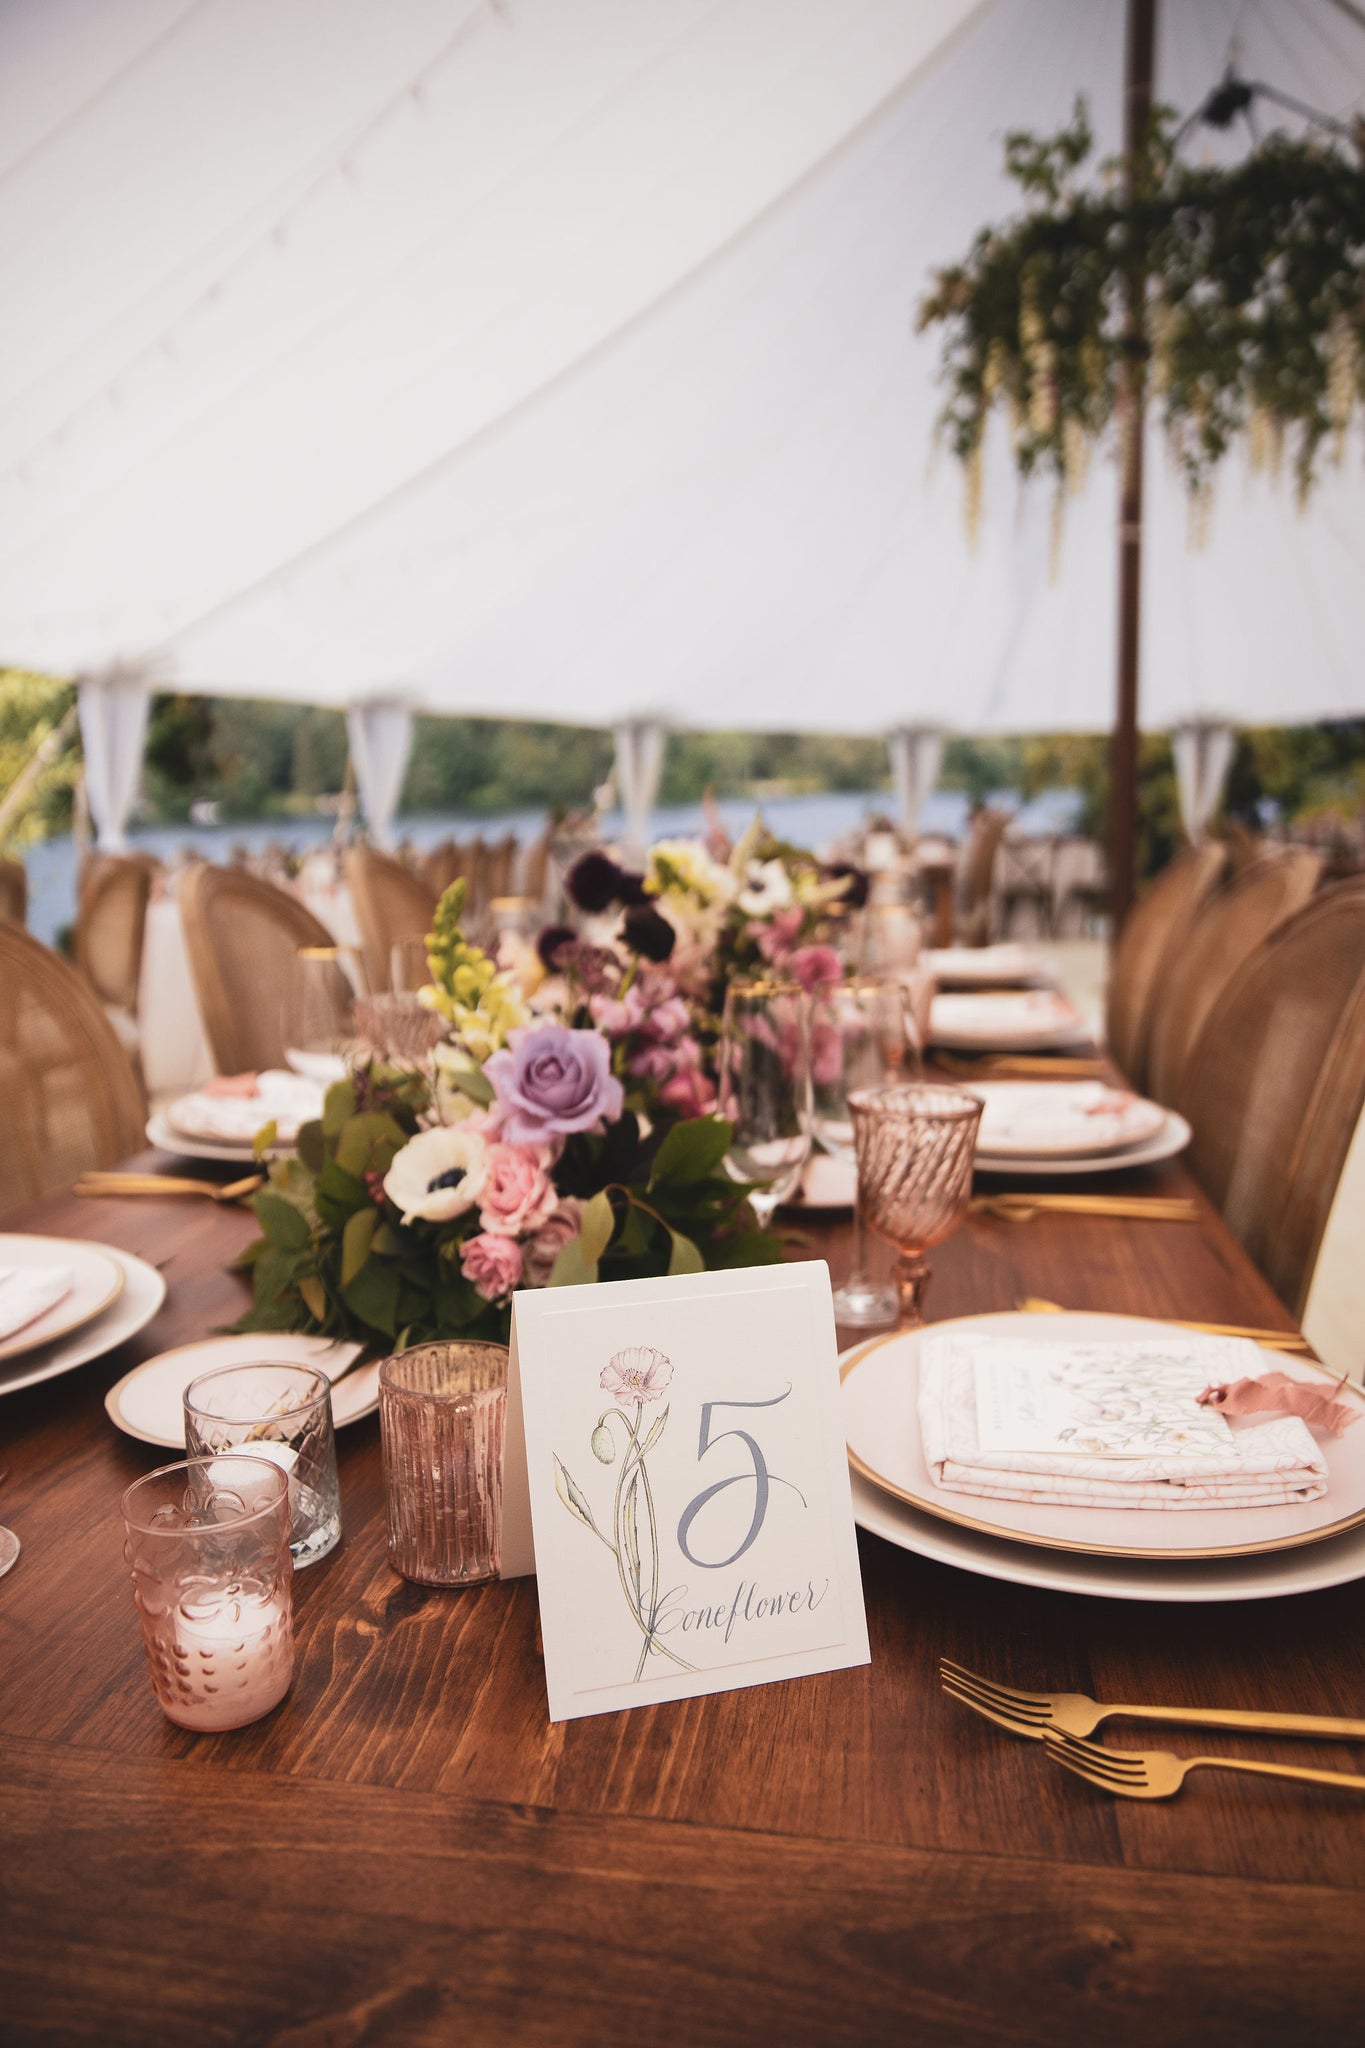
{"x":550,"y":1081}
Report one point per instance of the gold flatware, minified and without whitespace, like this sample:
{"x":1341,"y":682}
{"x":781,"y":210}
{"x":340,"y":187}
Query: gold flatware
{"x":94,"y":1183}
{"x":1151,"y":1208}
{"x":1031,"y":1714}
{"x":1269,"y":1340}
{"x":1158,"y":1773}
{"x":1021,"y":1067}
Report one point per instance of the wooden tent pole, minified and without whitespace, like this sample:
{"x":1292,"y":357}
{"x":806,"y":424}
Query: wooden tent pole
{"x":1124,"y":757}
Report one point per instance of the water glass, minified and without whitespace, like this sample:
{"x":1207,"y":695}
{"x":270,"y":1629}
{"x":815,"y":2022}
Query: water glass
{"x":765,"y":1088}
{"x":863,"y":1035}
{"x":441,"y":1414}
{"x":283,"y":1413}
{"x":207,"y":1543}
{"x":317,"y":1019}
{"x":916,"y":1144}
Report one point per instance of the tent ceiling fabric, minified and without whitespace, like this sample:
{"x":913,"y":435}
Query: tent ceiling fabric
{"x":556,"y":358}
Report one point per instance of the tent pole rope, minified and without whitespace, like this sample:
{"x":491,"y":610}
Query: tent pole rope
{"x":1123,"y":769}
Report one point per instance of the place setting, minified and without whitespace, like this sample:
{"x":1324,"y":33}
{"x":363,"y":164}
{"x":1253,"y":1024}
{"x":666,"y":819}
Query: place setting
{"x":65,"y":1301}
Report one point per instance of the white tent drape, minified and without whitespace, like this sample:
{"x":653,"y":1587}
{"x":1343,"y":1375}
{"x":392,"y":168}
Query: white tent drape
{"x":640,"y":746}
{"x":380,"y":734}
{"x":916,"y":753}
{"x":1203,"y":752}
{"x":112,"y":708}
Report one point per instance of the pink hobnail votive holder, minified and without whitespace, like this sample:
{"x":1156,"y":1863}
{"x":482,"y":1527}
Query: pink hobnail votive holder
{"x":441,"y":1414}
{"x":207,"y":1543}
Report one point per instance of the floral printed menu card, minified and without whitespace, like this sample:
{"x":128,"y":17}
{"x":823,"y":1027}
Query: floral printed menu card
{"x":687,"y":1485}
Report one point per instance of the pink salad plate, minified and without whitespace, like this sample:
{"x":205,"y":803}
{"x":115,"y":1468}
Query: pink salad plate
{"x":96,"y":1281}
{"x":881,"y":1421}
{"x":1045,"y":1119}
{"x":1015,"y":1020}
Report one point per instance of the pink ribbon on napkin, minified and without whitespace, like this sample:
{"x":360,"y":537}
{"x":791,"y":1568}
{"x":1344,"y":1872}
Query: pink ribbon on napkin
{"x":1280,"y":1393}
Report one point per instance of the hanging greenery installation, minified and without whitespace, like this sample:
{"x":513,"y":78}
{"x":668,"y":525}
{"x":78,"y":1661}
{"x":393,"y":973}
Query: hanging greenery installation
{"x":1232,"y":296}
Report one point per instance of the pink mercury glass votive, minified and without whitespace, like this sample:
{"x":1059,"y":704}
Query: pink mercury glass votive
{"x":207,"y":1541}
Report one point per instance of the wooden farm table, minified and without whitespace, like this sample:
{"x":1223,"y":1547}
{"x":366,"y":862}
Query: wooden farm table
{"x":408,"y":1852}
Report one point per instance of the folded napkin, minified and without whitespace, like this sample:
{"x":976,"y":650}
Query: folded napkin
{"x":1105,"y":1424}
{"x":27,"y":1292}
{"x":232,"y":1114}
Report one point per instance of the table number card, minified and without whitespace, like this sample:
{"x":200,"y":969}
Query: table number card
{"x":687,"y":1485}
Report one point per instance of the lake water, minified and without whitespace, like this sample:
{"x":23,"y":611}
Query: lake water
{"x":814,"y":821}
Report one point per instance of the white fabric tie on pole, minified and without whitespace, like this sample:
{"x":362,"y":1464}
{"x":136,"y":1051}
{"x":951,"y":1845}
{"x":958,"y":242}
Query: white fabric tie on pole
{"x":1203,"y":753}
{"x":113,"y":709}
{"x":380,"y":736}
{"x":639,"y":771}
{"x":916,"y":754}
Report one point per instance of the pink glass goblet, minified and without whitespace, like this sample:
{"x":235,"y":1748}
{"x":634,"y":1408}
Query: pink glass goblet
{"x":915,"y":1145}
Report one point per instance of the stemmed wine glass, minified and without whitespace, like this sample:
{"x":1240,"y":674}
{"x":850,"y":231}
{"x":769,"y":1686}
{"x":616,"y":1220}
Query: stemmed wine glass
{"x":765,"y":1088}
{"x":862,"y":1036}
{"x":317,"y":1021}
{"x":916,"y":1144}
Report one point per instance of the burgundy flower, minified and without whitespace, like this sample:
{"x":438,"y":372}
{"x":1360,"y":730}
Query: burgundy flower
{"x":548,"y":944}
{"x":647,"y":933}
{"x":594,"y":882}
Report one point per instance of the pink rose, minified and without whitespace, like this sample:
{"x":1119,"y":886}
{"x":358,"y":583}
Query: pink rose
{"x":540,"y":1252}
{"x":815,"y":967}
{"x":652,"y":1063}
{"x":689,"y":1092}
{"x":618,"y":1016}
{"x":668,"y":1020}
{"x":493,"y":1264}
{"x":518,"y":1194}
{"x":779,"y":935}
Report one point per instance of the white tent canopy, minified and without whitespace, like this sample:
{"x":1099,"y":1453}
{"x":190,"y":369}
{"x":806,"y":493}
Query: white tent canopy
{"x":556,"y":358}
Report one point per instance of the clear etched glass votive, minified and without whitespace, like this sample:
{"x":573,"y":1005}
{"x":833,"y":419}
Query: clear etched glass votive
{"x":441,"y":1412}
{"x":207,"y":1542}
{"x":283,"y":1413}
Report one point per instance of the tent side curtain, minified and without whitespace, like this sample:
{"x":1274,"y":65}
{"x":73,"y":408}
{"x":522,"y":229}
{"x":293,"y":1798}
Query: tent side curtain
{"x":380,"y":735}
{"x":916,"y":756}
{"x":113,"y":719}
{"x":640,"y":744}
{"x":1203,"y":752}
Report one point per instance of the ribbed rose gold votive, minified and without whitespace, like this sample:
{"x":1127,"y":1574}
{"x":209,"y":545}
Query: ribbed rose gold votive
{"x":441,"y":1411}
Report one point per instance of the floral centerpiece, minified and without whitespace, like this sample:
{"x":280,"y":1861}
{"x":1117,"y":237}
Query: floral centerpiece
{"x":562,"y":1131}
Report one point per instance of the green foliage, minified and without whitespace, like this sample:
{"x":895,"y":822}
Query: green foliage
{"x":31,"y":706}
{"x":1250,"y":280}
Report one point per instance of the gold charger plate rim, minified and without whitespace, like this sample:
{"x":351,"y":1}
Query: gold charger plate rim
{"x":22,"y":1341}
{"x":1006,"y":1535}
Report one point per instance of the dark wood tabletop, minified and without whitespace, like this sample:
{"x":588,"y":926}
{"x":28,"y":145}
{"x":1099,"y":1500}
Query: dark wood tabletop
{"x":408,"y":1852}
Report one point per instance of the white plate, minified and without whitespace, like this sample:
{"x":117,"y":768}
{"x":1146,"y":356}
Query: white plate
{"x":1065,"y":1119}
{"x":143,"y":1292}
{"x":1022,"y":1020}
{"x":1173,"y":1137}
{"x":881,"y":1417}
{"x":146,"y":1402}
{"x":96,"y":1283}
{"x":167,"y":1139}
{"x":827,"y":1183}
{"x":280,"y":1097}
{"x":982,"y":966}
{"x":1269,"y":1576}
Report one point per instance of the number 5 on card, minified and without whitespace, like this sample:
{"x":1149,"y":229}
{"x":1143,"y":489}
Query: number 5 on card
{"x":685,"y":1481}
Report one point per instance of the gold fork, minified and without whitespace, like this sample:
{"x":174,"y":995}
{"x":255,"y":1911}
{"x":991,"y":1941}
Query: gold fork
{"x":1147,"y":1208}
{"x":1159,"y":1773}
{"x":95,"y":1183}
{"x":1271,"y":1340}
{"x":1075,"y":1713}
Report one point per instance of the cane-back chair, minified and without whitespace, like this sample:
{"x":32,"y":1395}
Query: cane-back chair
{"x":242,"y":936}
{"x":1152,"y":938}
{"x":391,"y":903}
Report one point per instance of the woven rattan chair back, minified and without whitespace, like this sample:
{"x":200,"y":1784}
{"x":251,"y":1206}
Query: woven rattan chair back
{"x":502,"y":866}
{"x":1276,"y":1083}
{"x":439,"y":867}
{"x":537,"y":869}
{"x":1151,"y":940}
{"x":978,"y":876}
{"x":1227,"y":928}
{"x":13,"y":891}
{"x":71,"y":1098}
{"x":390,"y":904}
{"x":242,"y":935}
{"x":111,"y":921}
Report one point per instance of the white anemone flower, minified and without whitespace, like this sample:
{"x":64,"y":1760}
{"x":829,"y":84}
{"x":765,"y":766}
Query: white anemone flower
{"x":438,"y":1174}
{"x":767,"y":889}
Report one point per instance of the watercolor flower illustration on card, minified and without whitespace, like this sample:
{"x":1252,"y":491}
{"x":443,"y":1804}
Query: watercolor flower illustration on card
{"x":635,"y":1376}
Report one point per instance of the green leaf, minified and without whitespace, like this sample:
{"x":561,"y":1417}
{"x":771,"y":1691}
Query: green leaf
{"x":655,"y":1432}
{"x":594,"y":1232}
{"x":685,"y":1257}
{"x":387,"y":1242}
{"x":312,"y":1291}
{"x":749,"y":1248}
{"x":309,"y":1146}
{"x":339,"y":1195}
{"x":630,"y":1531}
{"x":572,"y":1495}
{"x":356,"y":1240}
{"x":264,"y":1139}
{"x":471,"y":1081}
{"x":636,"y":1232}
{"x":571,"y":1268}
{"x":281,"y":1221}
{"x":691,"y":1151}
{"x":338,"y":1107}
{"x":373,"y":1296}
{"x":362,"y":1137}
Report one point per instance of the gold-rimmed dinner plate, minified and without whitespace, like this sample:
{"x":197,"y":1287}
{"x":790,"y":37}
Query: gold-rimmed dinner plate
{"x":96,"y":1283}
{"x":147,"y":1402}
{"x":881,"y":1422}
{"x":1169,"y":1141}
{"x":136,"y":1303}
